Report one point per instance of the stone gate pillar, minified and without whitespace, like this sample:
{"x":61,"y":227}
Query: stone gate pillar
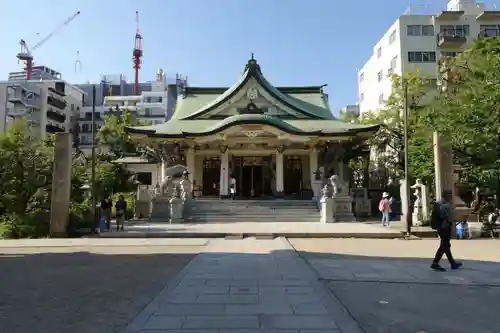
{"x":61,"y":185}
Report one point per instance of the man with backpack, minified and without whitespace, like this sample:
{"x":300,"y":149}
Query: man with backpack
{"x":442,"y":222}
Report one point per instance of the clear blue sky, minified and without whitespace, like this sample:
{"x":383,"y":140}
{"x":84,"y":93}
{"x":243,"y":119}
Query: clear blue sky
{"x":296,"y":42}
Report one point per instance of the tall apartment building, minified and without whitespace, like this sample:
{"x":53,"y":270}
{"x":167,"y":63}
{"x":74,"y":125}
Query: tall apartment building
{"x":420,"y":41}
{"x":155,"y":102}
{"x":47,"y":102}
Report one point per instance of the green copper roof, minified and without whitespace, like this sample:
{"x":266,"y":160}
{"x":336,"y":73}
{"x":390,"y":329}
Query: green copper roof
{"x":186,"y":128}
{"x":308,"y":101}
{"x":189,"y":118}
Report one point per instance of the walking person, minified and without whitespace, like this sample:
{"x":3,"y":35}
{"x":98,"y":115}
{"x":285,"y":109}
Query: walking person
{"x":121,"y":210}
{"x":106,"y":205}
{"x":385,"y":207}
{"x":442,"y":221}
{"x":232,"y":187}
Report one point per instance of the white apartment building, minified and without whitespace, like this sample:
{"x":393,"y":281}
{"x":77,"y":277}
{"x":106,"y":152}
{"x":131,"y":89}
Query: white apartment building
{"x":149,"y":105}
{"x":48,"y":105}
{"x":419,"y":41}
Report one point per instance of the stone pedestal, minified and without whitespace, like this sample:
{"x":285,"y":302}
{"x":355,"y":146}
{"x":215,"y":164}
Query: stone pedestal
{"x":176,"y":210}
{"x":61,"y":185}
{"x":160,"y":208}
{"x":362,"y":204}
{"x":326,"y":205}
{"x":316,"y":186}
{"x":342,"y":209}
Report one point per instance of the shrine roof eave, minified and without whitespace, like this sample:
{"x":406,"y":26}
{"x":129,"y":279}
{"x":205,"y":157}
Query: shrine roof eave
{"x":352,"y":132}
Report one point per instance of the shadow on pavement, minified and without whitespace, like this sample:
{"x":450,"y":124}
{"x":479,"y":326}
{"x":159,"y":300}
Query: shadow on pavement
{"x":80,"y":292}
{"x":403,"y":295}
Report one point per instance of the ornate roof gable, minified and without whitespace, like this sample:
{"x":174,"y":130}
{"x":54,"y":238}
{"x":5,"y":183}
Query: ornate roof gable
{"x":254,"y":85}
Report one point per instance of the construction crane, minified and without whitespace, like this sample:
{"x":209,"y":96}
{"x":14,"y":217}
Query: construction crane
{"x":25,"y":54}
{"x":137,"y":54}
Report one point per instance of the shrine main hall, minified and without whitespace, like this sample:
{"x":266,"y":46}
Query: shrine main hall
{"x":268,"y":138}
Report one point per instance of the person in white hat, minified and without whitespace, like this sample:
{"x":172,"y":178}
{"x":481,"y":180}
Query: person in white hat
{"x":384,"y":207}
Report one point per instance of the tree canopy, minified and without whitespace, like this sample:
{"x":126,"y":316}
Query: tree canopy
{"x":388,"y":143}
{"x":467,"y":112}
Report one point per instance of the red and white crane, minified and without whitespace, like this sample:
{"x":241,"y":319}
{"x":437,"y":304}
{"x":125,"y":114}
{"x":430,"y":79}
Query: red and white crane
{"x":25,"y":54}
{"x":137,"y":54}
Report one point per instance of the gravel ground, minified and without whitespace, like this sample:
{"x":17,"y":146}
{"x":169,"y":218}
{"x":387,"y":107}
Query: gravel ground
{"x":82,"y":290}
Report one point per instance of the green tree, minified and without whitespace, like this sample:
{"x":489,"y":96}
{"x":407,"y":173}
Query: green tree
{"x":25,"y":175}
{"x":114,"y":135}
{"x":388,"y":142}
{"x":467,"y":112}
{"x":25,"y":168}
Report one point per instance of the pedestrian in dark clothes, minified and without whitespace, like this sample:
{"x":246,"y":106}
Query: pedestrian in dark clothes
{"x":444,"y":213}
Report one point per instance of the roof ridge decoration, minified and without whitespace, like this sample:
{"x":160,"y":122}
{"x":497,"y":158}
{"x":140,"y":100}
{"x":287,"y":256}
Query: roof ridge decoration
{"x":253,"y":70}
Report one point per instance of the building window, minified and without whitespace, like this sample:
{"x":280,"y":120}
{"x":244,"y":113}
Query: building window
{"x":381,"y":99}
{"x":462,"y":30}
{"x":414,"y":30}
{"x":490,"y":30}
{"x":449,"y":53}
{"x":420,"y":30}
{"x":379,"y":76}
{"x":361,"y":97}
{"x":393,"y":63}
{"x":361,"y":77}
{"x":427,"y":30}
{"x":145,"y":178}
{"x":379,"y":52}
{"x":148,"y":112}
{"x":392,"y":37}
{"x":422,"y":57}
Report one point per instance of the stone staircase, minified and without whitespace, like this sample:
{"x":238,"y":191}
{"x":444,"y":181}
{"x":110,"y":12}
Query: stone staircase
{"x":233,"y":211}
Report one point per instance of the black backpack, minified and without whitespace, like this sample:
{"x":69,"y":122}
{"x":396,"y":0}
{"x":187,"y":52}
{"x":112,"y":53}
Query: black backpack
{"x":436,"y":220}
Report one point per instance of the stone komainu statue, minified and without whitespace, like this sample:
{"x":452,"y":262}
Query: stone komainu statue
{"x":167,"y":185}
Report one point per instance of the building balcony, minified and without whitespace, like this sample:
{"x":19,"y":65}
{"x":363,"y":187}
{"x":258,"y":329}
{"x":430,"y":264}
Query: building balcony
{"x":56,"y":100}
{"x":489,"y":15}
{"x":450,"y":15}
{"x":489,"y":33}
{"x":56,"y":115}
{"x":28,"y":87}
{"x":58,"y":92}
{"x":54,"y":127}
{"x":453,"y":38}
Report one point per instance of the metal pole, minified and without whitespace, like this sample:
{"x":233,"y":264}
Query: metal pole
{"x":94,"y":219}
{"x":406,"y":164}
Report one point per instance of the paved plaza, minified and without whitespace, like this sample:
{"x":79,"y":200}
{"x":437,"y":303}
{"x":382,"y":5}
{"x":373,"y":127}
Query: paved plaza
{"x":139,"y":229}
{"x":245,"y":286}
{"x":387,"y":285}
{"x":249,"y":285}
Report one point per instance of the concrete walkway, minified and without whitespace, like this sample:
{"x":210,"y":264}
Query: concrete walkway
{"x":245,"y":286}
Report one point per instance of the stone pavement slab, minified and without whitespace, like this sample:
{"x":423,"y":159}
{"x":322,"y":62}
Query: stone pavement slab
{"x":388,"y":287}
{"x":402,"y":261}
{"x":245,"y":286}
{"x":82,"y":289}
{"x":95,"y":242}
{"x":255,"y":229}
